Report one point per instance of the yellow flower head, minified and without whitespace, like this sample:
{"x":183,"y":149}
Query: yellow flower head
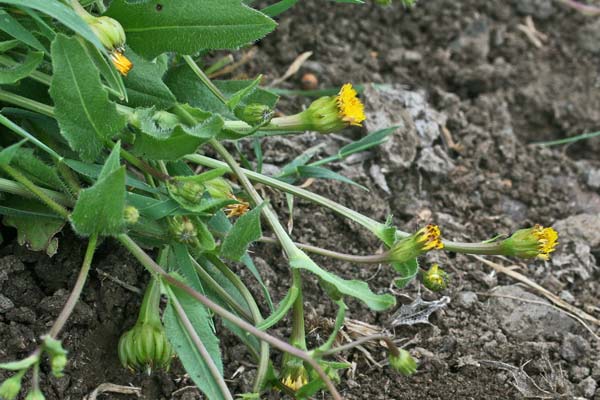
{"x":430,"y":237}
{"x":238,"y":209}
{"x":547,"y":239}
{"x":295,"y":378}
{"x":350,"y":107}
{"x":536,"y":242}
{"x":424,"y":240}
{"x":121,"y":63}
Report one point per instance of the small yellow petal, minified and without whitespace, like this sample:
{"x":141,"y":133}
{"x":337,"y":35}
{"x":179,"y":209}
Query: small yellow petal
{"x":350,"y":107}
{"x":121,"y":63}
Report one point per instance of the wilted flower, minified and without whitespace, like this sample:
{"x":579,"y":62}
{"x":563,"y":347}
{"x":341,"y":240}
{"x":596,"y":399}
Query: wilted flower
{"x":535,"y":242}
{"x":425,"y":239}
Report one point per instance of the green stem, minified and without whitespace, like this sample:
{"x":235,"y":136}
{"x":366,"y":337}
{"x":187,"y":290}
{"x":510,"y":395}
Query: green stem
{"x":12,"y":187}
{"x":140,"y":164}
{"x":156,"y":270}
{"x":263,"y":360}
{"x":204,"y":78}
{"x":37,"y":191}
{"x":222,"y":293}
{"x":298,"y":337}
{"x":76,"y":292}
{"x":26,"y":103}
{"x":376,"y":227}
{"x":23,"y":133}
{"x":72,"y":183}
{"x":212,"y":368}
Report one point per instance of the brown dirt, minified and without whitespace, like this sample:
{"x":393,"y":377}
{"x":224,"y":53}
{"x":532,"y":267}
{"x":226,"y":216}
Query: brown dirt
{"x":497,"y":93}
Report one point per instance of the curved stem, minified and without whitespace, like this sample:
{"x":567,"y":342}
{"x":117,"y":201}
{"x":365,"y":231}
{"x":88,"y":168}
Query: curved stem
{"x":26,"y":103}
{"x":76,"y":292}
{"x":386,"y":338}
{"x":204,"y":78}
{"x":371,"y":259}
{"x":155,"y":269}
{"x":214,"y":371}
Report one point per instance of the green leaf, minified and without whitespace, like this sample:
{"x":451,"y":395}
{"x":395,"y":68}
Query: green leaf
{"x":99,"y":209}
{"x":7,"y":154}
{"x":86,"y":116}
{"x":354,"y":288}
{"x":189,"y":89}
{"x":279,"y":7}
{"x":21,"y":364}
{"x":242,"y":94}
{"x":245,"y":231}
{"x":14,"y":28}
{"x":185,"y":26}
{"x":184,"y":347}
{"x":282,"y":309}
{"x":16,"y":73}
{"x":35,"y":231}
{"x":156,"y":143}
{"x":308,"y":171}
{"x":62,"y":13}
{"x":37,"y":170}
{"x":145,"y":86}
{"x":408,"y":272}
{"x":107,"y":70}
{"x":9,"y":45}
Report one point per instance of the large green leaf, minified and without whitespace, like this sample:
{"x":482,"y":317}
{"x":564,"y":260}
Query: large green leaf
{"x":62,"y":13}
{"x":99,"y":209}
{"x":245,"y":231}
{"x":184,"y":347}
{"x":20,"y":71}
{"x":187,"y":26}
{"x":35,"y":231}
{"x":14,"y":28}
{"x":145,"y":86}
{"x":354,"y":288}
{"x":86,"y":116}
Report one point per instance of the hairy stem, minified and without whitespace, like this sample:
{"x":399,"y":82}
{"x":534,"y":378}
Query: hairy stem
{"x":204,"y":78}
{"x":155,"y":269}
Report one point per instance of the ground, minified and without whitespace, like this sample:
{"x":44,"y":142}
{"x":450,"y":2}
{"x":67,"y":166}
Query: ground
{"x":472,"y":86}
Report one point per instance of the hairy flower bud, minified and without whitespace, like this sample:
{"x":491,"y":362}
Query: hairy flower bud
{"x":537,"y":242}
{"x":435,"y":279}
{"x":131,"y":215}
{"x":184,"y":230}
{"x":218,"y":188}
{"x":425,"y":239}
{"x":403,"y":363}
{"x":254,"y":114}
{"x":11,"y":387}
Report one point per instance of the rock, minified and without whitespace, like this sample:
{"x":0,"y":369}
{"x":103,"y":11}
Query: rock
{"x":578,"y":373}
{"x":540,"y":9}
{"x":467,"y":299}
{"x":589,"y":36}
{"x":525,"y":320}
{"x":573,"y":347}
{"x":592,"y":178}
{"x":435,"y":161}
{"x":587,"y":387}
{"x":582,"y":226}
{"x":6,"y":304}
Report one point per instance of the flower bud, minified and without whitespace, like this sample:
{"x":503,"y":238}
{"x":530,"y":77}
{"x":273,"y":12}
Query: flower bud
{"x":190,"y":191}
{"x":435,"y":279}
{"x":537,"y":242}
{"x":425,"y":239}
{"x":108,"y":30}
{"x":218,"y":188}
{"x":184,"y":230}
{"x":58,"y":363}
{"x":403,"y":363}
{"x":294,"y":375}
{"x":165,"y":119}
{"x":145,"y":347}
{"x":131,"y":215}
{"x":11,"y":387}
{"x":254,"y":114}
{"x":35,"y":394}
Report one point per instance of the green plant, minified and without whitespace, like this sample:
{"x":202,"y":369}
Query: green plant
{"x":111,"y":152}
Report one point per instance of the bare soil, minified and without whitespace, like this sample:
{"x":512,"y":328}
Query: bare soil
{"x":472,"y":85}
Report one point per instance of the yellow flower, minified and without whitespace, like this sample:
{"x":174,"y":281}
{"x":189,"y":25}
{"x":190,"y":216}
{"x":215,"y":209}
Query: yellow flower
{"x":424,"y":240}
{"x":350,"y":107}
{"x":121,"y":63}
{"x":238,"y":209}
{"x":536,"y":242}
{"x":295,"y":378}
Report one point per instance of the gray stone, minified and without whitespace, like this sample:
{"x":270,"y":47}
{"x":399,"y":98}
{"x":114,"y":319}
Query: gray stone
{"x":587,"y":387}
{"x":467,"y":299}
{"x":589,"y":36}
{"x":592,"y":178}
{"x":581,"y":226}
{"x":435,"y":161}
{"x":540,"y":9}
{"x":526,"y":320}
{"x":573,"y":347}
{"x":578,"y":373}
{"x":5,"y":304}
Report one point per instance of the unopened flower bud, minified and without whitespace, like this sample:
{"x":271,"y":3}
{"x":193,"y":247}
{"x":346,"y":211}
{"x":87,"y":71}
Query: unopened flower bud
{"x":184,"y":230}
{"x":425,"y":239}
{"x":218,"y":188}
{"x":131,"y":215}
{"x":403,"y":363}
{"x":108,"y":30}
{"x":11,"y":387}
{"x":35,"y":394}
{"x":188,"y":190}
{"x":254,"y":114}
{"x":537,"y":242}
{"x":435,"y":279}
{"x":145,"y":347}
